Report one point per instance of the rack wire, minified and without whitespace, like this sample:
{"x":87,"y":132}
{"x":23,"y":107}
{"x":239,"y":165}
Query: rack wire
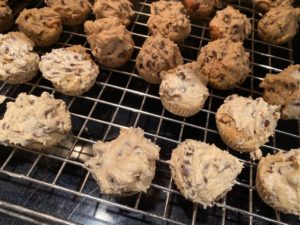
{"x":58,"y":189}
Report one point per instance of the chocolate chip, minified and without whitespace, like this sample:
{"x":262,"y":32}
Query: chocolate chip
{"x":267,"y":123}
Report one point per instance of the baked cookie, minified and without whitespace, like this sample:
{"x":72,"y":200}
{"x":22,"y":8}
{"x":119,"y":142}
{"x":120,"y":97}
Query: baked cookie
{"x":71,"y":70}
{"x":229,"y":22}
{"x":279,"y":25}
{"x":278,"y":181}
{"x":266,"y":5}
{"x":18,"y":62}
{"x":110,"y":41}
{"x":284,"y":89}
{"x":183,"y":90}
{"x":199,"y":9}
{"x":43,"y":26}
{"x":73,"y":12}
{"x":6,"y":18}
{"x":203,"y":173}
{"x":157,"y":54}
{"x":118,"y":8}
{"x":35,"y":122}
{"x":245,"y":124}
{"x":169,"y":19}
{"x":225,"y":63}
{"x":125,"y":165}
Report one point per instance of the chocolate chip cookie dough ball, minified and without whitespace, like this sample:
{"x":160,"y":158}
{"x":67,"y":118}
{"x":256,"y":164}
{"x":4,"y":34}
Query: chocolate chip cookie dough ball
{"x":6,"y":19}
{"x":43,"y":26}
{"x":110,"y":41}
{"x":35,"y":122}
{"x":72,"y":12}
{"x":18,"y":62}
{"x":157,"y":54}
{"x":266,"y":5}
{"x":169,"y":19}
{"x":225,"y":63}
{"x":117,"y":8}
{"x":183,"y":90}
{"x":278,"y":181}
{"x":203,"y":173}
{"x":71,"y":70}
{"x":245,"y":124}
{"x":279,"y":25}
{"x":125,"y":165}
{"x":229,"y":22}
{"x":199,"y":9}
{"x":284,"y":89}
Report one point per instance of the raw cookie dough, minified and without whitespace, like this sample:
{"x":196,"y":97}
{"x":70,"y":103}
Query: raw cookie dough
{"x":278,"y":181}
{"x":157,"y":54}
{"x":169,"y":19}
{"x":110,"y":41}
{"x":71,"y":70}
{"x":43,"y":26}
{"x":35,"y":122}
{"x":245,"y":124}
{"x":183,"y":90}
{"x":73,"y":12}
{"x":199,"y":9}
{"x":229,"y":22}
{"x":266,"y":5}
{"x":6,"y":19}
{"x":118,"y":8}
{"x":18,"y":62}
{"x":225,"y":63}
{"x":125,"y":165}
{"x":279,"y":25}
{"x":203,"y":173}
{"x":284,"y":89}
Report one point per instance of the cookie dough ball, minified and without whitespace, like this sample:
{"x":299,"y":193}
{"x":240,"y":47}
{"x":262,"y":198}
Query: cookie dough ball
{"x":169,"y":19}
{"x":71,"y":70}
{"x":199,"y":9}
{"x":72,"y":12}
{"x":225,"y":63}
{"x":203,"y":173}
{"x":35,"y":122}
{"x":125,"y":165}
{"x":284,"y":89}
{"x":245,"y":124}
{"x":266,"y":5}
{"x":278,"y":181}
{"x":157,"y":54}
{"x":42,"y":26}
{"x":114,"y":8}
{"x":279,"y":25}
{"x":229,"y":22}
{"x":110,"y":41}
{"x":6,"y":18}
{"x":183,"y":90}
{"x":18,"y":62}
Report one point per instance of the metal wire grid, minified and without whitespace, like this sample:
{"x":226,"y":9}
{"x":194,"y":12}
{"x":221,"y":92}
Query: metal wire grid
{"x":121,"y":98}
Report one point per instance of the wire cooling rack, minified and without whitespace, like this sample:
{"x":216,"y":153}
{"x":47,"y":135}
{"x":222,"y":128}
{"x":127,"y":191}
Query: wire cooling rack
{"x":39,"y":188}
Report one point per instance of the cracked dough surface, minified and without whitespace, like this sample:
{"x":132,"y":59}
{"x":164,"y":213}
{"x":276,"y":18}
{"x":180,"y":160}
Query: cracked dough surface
{"x":35,"y":122}
{"x":203,"y":173}
{"x":199,"y":9}
{"x":126,"y":164}
{"x":6,"y":18}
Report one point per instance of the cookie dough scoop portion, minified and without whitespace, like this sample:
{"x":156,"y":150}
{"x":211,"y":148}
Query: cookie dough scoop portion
{"x":157,"y":54}
{"x":203,"y":173}
{"x":245,"y":124}
{"x":110,"y":41}
{"x":43,"y":26}
{"x":225,"y":63}
{"x":278,"y":181}
{"x":73,"y":12}
{"x":125,"y":165}
{"x":284,"y":89}
{"x":18,"y":62}
{"x":279,"y":25}
{"x":200,"y":9}
{"x":183,"y":90}
{"x":116,"y":8}
{"x":6,"y":18}
{"x":35,"y":122}
{"x":71,"y":70}
{"x":265,"y":5}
